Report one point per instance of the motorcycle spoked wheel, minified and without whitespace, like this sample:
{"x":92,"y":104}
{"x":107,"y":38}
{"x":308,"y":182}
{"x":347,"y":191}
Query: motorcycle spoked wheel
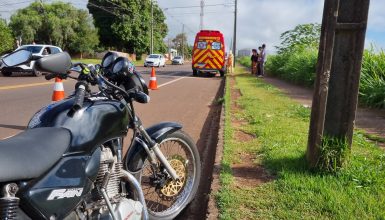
{"x":166,"y":198}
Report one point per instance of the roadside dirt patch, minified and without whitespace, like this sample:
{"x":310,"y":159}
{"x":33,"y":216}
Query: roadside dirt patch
{"x":243,"y":136}
{"x":249,"y":174}
{"x":246,"y":173}
{"x":235,"y":94}
{"x":235,"y":108}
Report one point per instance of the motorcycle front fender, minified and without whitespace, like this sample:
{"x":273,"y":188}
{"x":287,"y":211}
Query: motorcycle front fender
{"x":136,"y":155}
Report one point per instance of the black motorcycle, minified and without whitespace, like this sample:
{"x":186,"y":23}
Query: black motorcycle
{"x":71,"y":163}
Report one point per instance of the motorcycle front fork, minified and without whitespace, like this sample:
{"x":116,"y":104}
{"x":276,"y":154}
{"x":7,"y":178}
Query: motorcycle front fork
{"x":155,"y":154}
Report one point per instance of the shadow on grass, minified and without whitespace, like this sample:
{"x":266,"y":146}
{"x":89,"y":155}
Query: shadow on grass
{"x":288,"y":165}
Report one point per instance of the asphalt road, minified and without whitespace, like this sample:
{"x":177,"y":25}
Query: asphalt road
{"x":181,"y":98}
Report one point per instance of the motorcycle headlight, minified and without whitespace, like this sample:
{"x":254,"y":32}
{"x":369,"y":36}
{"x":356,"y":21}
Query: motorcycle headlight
{"x":108,"y":59}
{"x":124,"y":74}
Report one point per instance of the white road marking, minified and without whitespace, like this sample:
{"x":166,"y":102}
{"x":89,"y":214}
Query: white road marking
{"x":172,"y":81}
{"x":8,"y":137}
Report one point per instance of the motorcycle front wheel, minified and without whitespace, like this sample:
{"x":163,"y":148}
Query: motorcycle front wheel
{"x":166,"y":198}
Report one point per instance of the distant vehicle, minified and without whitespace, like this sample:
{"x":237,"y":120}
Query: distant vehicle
{"x":209,"y":52}
{"x":36,"y":50}
{"x":178,"y":60}
{"x":155,"y":60}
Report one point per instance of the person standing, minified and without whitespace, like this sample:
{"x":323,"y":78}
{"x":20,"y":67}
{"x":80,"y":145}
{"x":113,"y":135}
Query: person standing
{"x":262,"y":60}
{"x":259,"y":71}
{"x":230,"y":62}
{"x":254,"y":62}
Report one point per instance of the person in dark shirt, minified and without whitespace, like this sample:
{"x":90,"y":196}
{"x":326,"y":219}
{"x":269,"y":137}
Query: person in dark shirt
{"x":254,"y":62}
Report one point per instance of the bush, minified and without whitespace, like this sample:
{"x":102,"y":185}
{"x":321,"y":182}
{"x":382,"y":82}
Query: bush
{"x":245,"y":61}
{"x":372,"y":84}
{"x":298,"y":66}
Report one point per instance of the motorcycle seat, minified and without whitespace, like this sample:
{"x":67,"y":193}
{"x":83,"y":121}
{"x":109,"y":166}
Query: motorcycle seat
{"x":32,"y":152}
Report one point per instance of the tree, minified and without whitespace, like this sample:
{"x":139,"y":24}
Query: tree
{"x":86,"y":37}
{"x":59,"y":23}
{"x":180,"y":43}
{"x":126,"y":24}
{"x":302,"y":35}
{"x":6,"y":37}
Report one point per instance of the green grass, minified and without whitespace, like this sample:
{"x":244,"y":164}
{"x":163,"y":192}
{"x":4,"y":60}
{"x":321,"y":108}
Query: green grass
{"x":87,"y":61}
{"x":245,"y":61}
{"x":357,"y":191}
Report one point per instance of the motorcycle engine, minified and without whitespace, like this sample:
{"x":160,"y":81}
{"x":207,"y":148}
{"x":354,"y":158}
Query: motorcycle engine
{"x":95,"y":206}
{"x":126,"y":209}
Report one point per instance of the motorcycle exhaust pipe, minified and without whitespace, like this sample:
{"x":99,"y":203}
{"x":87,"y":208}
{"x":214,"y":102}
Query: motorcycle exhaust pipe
{"x":136,"y":185}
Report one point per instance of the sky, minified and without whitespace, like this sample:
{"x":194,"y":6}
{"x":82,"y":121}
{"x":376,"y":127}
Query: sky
{"x":259,"y":21}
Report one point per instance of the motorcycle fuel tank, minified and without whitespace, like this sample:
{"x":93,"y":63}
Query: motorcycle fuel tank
{"x":99,"y":120}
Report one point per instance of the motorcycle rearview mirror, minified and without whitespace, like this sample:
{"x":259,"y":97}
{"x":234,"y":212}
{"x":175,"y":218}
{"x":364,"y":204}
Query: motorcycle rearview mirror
{"x":16,"y":58}
{"x":57,"y":63}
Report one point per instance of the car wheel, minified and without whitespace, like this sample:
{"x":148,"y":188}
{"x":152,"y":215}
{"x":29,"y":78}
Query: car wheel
{"x":195,"y":72}
{"x":6,"y":73}
{"x":222,"y":73}
{"x":36,"y":73}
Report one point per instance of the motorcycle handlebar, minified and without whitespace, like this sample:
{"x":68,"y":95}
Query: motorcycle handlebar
{"x":50,"y":76}
{"x":54,"y":75}
{"x":79,"y":96}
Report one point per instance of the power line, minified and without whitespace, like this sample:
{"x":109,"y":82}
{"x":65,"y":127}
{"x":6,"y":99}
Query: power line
{"x":104,"y":9}
{"x":16,"y":3}
{"x":177,"y":20}
{"x":197,"y":13}
{"x":198,"y":6}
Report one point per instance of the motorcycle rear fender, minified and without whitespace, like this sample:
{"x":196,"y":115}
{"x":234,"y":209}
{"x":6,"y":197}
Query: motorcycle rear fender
{"x":136,"y":155}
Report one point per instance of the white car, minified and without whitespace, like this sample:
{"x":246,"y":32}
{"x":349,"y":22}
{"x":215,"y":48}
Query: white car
{"x":155,"y":60}
{"x":178,"y":60}
{"x":36,"y":50}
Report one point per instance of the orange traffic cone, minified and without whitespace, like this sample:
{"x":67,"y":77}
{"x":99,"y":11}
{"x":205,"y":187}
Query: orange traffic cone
{"x":153,"y":84}
{"x":58,"y":90}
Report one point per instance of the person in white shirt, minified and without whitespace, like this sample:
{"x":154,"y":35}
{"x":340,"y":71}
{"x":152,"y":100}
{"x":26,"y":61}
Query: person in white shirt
{"x":262,"y":60}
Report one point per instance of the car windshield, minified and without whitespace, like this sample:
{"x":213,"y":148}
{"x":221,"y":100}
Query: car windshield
{"x":153,"y":56}
{"x":32,"y":49}
{"x":177,"y":58}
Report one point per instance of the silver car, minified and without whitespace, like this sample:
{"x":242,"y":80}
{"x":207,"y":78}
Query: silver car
{"x":178,"y":60}
{"x":155,"y":60}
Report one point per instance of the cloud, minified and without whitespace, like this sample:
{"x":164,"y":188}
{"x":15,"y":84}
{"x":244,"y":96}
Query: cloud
{"x":262,"y":21}
{"x":376,"y":16}
{"x":259,"y":21}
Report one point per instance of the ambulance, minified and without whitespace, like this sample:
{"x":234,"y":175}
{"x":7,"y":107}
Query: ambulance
{"x":208,"y":53}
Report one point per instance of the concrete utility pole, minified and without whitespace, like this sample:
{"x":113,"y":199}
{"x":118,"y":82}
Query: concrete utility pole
{"x":338,"y":73}
{"x":235,"y":32}
{"x":152,"y":27}
{"x":202,"y":14}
